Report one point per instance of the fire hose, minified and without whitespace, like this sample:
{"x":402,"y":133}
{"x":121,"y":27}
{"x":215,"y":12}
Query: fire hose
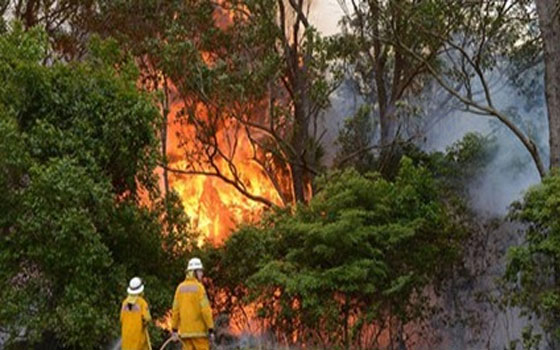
{"x":166,"y":342}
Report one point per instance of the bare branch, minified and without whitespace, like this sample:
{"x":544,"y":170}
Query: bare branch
{"x":488,"y":110}
{"x":227,"y":180}
{"x":299,"y":11}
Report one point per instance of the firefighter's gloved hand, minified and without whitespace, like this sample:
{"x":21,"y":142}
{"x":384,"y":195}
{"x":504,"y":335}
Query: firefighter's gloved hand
{"x":175,"y":335}
{"x":211,"y":336}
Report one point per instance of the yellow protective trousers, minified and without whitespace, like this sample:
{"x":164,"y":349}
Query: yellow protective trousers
{"x":195,"y":343}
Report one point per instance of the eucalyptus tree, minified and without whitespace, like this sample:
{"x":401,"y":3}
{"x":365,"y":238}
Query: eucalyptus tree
{"x":549,"y":23}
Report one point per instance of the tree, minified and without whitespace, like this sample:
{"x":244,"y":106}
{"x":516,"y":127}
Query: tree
{"x":229,"y":267}
{"x":268,"y":95}
{"x":549,"y":21}
{"x":81,"y":206}
{"x":389,"y":79}
{"x":353,"y":139}
{"x":477,"y":44}
{"x":533,"y":266}
{"x":64,"y":22}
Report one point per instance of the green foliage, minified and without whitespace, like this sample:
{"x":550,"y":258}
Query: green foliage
{"x":355,"y":141}
{"x":272,"y":91}
{"x":460,"y":163}
{"x":363,"y":252}
{"x":81,"y":211}
{"x":533,"y":267}
{"x":455,"y":167}
{"x":231,"y":264}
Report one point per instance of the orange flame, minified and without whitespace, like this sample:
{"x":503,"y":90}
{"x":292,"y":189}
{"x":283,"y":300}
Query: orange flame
{"x":214,"y":206}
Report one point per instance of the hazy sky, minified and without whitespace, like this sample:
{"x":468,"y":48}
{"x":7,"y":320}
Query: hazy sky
{"x":325,"y":15}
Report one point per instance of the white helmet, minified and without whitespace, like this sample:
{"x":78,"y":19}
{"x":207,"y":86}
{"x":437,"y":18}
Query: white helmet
{"x":194,"y":264}
{"x":135,"y":286}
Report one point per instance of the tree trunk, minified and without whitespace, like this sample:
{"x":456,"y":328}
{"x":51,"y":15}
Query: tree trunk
{"x":165,"y":112}
{"x":30,"y":16}
{"x":300,"y":137}
{"x":549,"y":21}
{"x":298,"y":60}
{"x":386,"y":99}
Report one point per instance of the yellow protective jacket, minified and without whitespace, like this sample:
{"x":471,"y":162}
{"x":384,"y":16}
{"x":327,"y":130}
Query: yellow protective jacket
{"x":192,"y":315}
{"x":135,"y":315}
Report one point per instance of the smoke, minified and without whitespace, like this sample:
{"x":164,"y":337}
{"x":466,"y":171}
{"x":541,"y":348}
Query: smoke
{"x":115,"y":345}
{"x":345,"y":101}
{"x":510,"y":171}
{"x":252,"y":341}
{"x":473,"y":302}
{"x":325,"y":15}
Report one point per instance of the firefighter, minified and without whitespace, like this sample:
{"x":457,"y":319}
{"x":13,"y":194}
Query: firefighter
{"x":192,"y":321}
{"x":135,"y":316}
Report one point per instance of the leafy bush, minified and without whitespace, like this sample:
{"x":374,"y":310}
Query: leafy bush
{"x":534,"y":266}
{"x":81,"y":210}
{"x":365,"y":255}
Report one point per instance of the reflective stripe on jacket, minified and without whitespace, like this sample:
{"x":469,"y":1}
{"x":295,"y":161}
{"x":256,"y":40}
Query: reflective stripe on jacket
{"x":192,"y":315}
{"x":135,"y":314}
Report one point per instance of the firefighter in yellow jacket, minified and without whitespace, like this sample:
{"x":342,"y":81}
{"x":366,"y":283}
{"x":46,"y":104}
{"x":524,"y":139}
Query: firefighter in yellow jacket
{"x":135,"y":316}
{"x":192,"y":316}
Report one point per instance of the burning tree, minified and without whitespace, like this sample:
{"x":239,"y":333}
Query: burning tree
{"x":243,"y":85}
{"x":263,"y":99}
{"x":242,"y":122}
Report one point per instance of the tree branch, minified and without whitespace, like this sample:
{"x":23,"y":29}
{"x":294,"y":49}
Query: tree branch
{"x":488,"y":110}
{"x":235,"y":185}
